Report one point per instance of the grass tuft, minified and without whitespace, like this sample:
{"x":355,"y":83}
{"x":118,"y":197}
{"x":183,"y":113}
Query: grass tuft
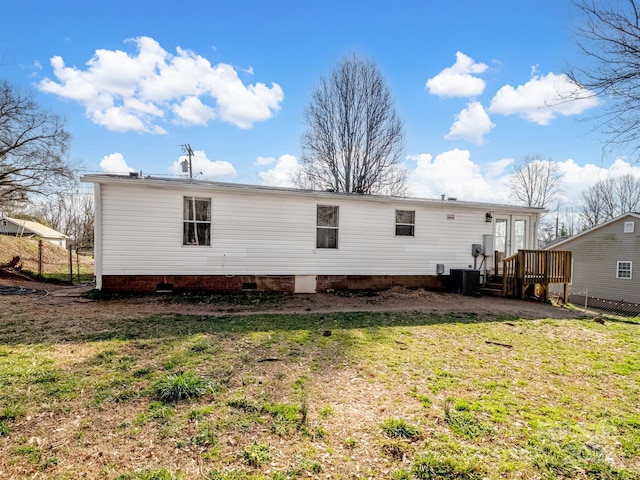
{"x":432,"y":467}
{"x":399,"y":428}
{"x":564,"y":458}
{"x":397,"y":449}
{"x":162,"y":473}
{"x":182,"y":386}
{"x":463,"y":422}
{"x":230,"y":475}
{"x":256,"y":454}
{"x":156,"y":411}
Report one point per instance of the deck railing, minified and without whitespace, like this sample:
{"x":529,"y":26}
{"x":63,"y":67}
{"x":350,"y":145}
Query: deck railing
{"x":535,"y":267}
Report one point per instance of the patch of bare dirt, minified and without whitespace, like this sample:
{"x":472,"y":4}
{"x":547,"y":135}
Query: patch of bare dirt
{"x":71,"y":299}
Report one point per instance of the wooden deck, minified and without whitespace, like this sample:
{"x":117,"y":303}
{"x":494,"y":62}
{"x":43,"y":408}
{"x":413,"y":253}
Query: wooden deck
{"x":527,"y":268}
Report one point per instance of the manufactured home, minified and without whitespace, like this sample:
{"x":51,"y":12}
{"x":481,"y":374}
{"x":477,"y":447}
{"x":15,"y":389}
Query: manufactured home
{"x":603,"y":264}
{"x":183,"y":234}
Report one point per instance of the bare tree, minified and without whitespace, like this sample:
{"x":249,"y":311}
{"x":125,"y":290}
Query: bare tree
{"x":69,"y":213}
{"x":609,"y":199}
{"x":354,"y":139}
{"x":536,"y":182}
{"x":33,"y":145}
{"x":609,"y":39}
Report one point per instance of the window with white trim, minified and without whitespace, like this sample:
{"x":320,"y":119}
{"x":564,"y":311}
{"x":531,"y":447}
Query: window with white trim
{"x":624,"y":269}
{"x":196,"y":221}
{"x":629,"y":227}
{"x":327,"y":227}
{"x":405,"y":223}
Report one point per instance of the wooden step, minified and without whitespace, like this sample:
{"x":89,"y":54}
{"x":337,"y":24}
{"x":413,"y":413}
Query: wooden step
{"x":491,"y":289}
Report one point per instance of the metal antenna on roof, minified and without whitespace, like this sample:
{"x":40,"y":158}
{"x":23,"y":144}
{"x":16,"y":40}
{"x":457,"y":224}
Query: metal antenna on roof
{"x":186,"y":148}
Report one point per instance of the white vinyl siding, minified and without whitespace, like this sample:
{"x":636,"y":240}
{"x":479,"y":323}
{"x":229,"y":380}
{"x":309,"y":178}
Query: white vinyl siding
{"x":275,"y":232}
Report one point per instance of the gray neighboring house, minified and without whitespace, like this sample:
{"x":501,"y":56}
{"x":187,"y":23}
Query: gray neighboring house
{"x":604,"y":258}
{"x":26,"y":228}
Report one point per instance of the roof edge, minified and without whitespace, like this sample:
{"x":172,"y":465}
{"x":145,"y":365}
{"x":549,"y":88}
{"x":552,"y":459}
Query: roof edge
{"x":176,"y":182}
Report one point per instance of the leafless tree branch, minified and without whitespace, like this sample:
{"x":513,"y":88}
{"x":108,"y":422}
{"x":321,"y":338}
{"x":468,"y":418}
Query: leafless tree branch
{"x":536,"y":182}
{"x":609,"y":40}
{"x":33,"y":147}
{"x":610,"y":198}
{"x":355,"y":140}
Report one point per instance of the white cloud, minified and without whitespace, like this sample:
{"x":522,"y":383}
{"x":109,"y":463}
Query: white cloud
{"x":542,"y":98}
{"x":134,"y":92}
{"x":203,"y":168}
{"x":578,"y":178}
{"x":457,"y":80}
{"x":471,"y":124}
{"x":264,"y":160}
{"x":115,"y":163}
{"x":193,"y":111}
{"x":499,"y":167}
{"x":453,"y":174}
{"x":281,"y":173}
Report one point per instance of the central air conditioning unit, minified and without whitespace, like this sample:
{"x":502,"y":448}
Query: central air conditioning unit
{"x":465,"y":281}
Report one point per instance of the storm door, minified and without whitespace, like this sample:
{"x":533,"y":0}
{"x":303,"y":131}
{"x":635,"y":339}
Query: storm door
{"x":519,"y":234}
{"x":501,"y":238}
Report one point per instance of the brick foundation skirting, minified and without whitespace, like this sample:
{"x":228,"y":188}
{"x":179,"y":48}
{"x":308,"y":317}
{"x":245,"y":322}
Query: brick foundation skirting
{"x":275,"y":283}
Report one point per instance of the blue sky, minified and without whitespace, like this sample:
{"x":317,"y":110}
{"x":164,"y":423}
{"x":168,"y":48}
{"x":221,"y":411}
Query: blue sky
{"x":474,"y":83}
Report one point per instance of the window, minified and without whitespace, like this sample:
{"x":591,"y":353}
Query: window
{"x":197,"y":221}
{"x":327,"y":227}
{"x":520,"y":234}
{"x":501,"y":235}
{"x":405,"y":222}
{"x":624,"y":270}
{"x":629,"y":227}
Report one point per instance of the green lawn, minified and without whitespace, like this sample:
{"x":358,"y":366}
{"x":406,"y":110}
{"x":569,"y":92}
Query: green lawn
{"x":349,"y":395}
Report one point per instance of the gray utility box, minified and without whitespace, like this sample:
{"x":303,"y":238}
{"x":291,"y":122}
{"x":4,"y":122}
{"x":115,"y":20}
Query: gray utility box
{"x":465,"y":281}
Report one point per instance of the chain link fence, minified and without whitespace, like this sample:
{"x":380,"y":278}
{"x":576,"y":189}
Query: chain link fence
{"x":38,"y":258}
{"x":583,"y":300}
